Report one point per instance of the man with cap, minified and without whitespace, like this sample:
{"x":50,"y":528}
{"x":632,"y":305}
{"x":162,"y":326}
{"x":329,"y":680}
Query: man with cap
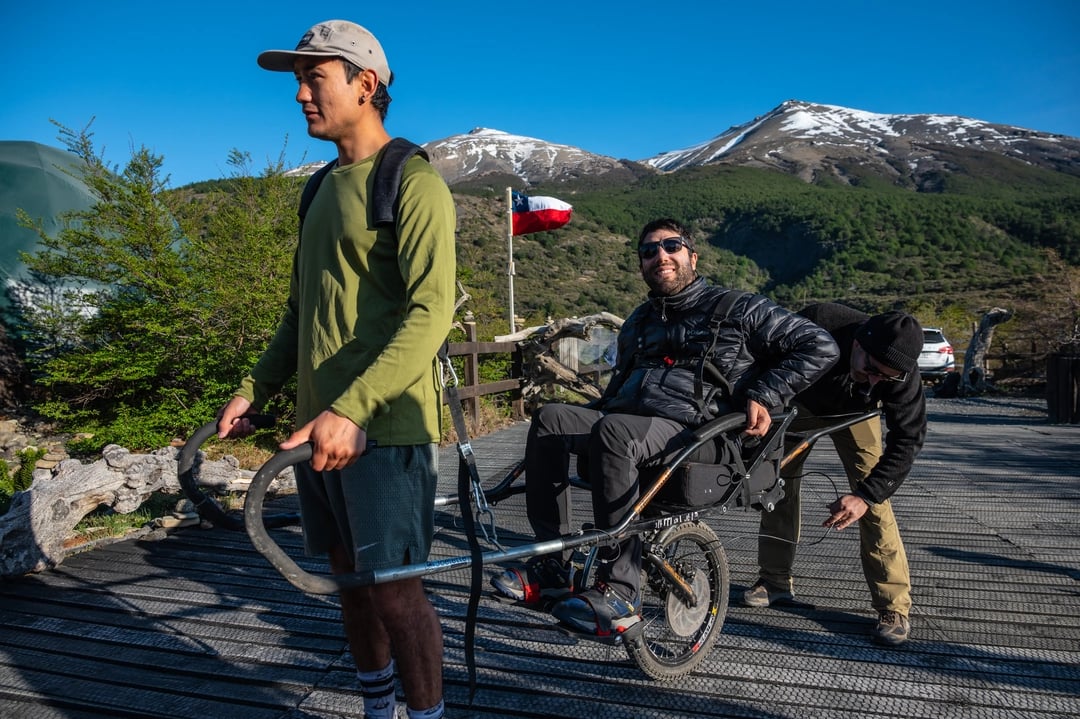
{"x":657,"y":391}
{"x":367,"y":311}
{"x":878,"y":367}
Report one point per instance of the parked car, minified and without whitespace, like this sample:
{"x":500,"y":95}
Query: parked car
{"x":936,"y":358}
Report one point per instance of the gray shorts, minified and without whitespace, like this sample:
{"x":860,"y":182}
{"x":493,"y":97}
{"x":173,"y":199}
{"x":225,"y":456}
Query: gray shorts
{"x":383,"y":506}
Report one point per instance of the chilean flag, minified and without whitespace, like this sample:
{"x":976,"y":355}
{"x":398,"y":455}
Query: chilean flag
{"x":536,"y":214}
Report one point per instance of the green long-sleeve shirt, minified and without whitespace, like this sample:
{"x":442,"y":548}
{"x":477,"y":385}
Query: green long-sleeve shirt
{"x":367,"y":309}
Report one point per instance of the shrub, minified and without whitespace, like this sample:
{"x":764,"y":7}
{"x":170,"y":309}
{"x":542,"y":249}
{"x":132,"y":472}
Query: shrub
{"x":176,"y":314}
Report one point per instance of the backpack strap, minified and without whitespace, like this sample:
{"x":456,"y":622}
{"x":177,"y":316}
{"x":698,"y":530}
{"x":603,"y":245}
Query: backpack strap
{"x":721,"y":311}
{"x":384,"y":197}
{"x":312,"y":187}
{"x":388,"y":171}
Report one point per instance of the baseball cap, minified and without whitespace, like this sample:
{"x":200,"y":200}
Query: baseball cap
{"x":333,"y":38}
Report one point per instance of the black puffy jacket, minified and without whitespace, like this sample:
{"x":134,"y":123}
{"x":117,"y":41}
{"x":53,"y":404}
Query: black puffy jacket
{"x":764,"y":352}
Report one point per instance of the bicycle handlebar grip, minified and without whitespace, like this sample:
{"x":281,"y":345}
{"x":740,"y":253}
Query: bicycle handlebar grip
{"x":207,"y":508}
{"x":185,"y":462}
{"x":186,"y":459}
{"x":260,"y":538}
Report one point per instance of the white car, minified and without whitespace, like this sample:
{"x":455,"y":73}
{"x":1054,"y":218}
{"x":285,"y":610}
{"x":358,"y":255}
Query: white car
{"x":936,"y":358}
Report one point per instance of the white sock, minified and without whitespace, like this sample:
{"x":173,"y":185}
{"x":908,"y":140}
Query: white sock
{"x":377,"y":689}
{"x":435,"y":712}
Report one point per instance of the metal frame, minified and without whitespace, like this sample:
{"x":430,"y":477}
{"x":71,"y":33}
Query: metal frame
{"x":631,"y":524}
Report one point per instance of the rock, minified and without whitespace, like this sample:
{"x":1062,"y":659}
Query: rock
{"x":175,"y":522}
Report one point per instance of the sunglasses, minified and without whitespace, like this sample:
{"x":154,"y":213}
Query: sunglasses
{"x":872,"y":371}
{"x":671,"y":245}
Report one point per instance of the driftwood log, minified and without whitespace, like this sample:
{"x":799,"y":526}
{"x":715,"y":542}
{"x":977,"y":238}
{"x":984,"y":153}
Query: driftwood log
{"x":540,"y":364}
{"x":35,"y":532}
{"x":974,"y":380}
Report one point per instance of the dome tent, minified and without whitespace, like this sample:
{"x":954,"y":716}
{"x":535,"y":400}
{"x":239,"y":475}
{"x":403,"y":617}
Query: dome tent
{"x":44,"y":182}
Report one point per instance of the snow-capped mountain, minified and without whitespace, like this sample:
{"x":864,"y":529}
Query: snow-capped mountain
{"x":308,"y":168}
{"x":804,"y":138}
{"x":499,"y":156}
{"x":801,"y":138}
{"x":492,"y":152}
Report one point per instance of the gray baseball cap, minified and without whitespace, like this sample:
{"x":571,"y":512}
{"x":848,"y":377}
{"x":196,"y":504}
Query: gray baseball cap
{"x":333,"y":38}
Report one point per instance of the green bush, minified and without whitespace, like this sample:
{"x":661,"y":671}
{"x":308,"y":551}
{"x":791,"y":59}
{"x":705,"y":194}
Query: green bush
{"x":182,"y":302}
{"x":23,"y":477}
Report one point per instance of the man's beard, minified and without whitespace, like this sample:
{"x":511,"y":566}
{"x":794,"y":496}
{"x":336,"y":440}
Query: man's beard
{"x":671,"y":284}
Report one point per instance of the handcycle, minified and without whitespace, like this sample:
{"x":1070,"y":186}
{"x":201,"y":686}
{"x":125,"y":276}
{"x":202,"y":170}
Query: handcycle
{"x":685,"y":572}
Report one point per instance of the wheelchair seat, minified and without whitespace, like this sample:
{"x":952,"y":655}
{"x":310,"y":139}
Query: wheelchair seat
{"x":725,"y":470}
{"x":730,"y":477}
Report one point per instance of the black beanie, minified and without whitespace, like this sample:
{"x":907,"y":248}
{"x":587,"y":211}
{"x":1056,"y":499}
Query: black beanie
{"x":894,"y":339}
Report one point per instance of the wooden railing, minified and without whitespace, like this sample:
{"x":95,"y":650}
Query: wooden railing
{"x":470,"y":389}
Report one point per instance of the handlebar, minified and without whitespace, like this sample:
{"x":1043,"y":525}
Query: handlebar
{"x":205,"y":505}
{"x":257,"y":531}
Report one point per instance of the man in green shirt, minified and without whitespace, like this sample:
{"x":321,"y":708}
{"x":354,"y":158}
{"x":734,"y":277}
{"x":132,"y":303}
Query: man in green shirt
{"x":367,"y":311}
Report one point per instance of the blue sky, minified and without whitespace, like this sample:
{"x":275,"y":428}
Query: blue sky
{"x":628,"y":79}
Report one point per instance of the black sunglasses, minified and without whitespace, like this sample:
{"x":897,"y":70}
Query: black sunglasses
{"x":671,"y":245}
{"x":871,"y":370}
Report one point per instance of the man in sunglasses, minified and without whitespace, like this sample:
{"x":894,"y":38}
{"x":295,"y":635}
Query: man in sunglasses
{"x":690,"y":353}
{"x":878,"y":367}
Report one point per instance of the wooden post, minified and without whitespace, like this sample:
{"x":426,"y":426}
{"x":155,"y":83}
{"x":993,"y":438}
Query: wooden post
{"x":1063,"y":388}
{"x":517,"y":369}
{"x":472,"y":376}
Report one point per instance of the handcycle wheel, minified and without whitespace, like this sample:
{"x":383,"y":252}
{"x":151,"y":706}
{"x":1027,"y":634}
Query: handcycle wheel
{"x":676,"y":636}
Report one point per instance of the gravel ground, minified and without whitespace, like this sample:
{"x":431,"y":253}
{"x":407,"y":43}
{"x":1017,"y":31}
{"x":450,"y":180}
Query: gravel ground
{"x":988,"y":406}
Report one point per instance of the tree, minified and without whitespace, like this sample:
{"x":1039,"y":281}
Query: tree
{"x":974,"y":380}
{"x":1057,"y":325}
{"x":173,"y":316}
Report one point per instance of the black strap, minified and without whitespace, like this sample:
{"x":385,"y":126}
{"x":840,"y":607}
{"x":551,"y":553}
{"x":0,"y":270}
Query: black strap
{"x":468,"y":478}
{"x":721,"y":311}
{"x":311,"y":188}
{"x":388,"y":173}
{"x":387,"y":183}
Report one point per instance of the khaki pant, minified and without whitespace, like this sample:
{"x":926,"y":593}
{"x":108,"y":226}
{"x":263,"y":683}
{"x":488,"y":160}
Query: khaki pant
{"x":881,"y":550}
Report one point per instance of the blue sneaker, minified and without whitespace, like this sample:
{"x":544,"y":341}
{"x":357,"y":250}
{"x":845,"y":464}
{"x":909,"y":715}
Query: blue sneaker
{"x":544,"y":579}
{"x":600,"y":611}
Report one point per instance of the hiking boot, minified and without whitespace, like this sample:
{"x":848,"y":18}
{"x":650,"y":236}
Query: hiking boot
{"x":764,"y":594}
{"x":543,"y":579}
{"x":600,"y":611}
{"x":892,"y":629}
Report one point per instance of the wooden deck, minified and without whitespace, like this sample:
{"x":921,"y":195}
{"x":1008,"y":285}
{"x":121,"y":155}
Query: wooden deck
{"x":199,"y":626}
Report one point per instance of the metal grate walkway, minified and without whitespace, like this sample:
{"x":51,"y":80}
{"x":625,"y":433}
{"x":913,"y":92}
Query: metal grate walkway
{"x":199,"y":626}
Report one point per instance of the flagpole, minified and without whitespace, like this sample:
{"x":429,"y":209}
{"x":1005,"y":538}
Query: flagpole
{"x":510,"y":252}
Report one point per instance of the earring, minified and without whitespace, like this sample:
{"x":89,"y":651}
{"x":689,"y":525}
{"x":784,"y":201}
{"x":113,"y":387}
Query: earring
{"x":362,"y":100}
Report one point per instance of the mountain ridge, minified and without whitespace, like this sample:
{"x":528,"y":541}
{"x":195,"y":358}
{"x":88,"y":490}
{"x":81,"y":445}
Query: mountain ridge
{"x":807,"y":139}
{"x":813,"y":141}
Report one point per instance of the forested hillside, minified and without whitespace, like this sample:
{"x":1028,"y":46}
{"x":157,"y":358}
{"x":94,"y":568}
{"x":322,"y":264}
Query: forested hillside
{"x":980,"y":238}
{"x":978,"y":241}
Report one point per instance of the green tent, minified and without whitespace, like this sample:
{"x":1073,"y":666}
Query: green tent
{"x":42,"y":181}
